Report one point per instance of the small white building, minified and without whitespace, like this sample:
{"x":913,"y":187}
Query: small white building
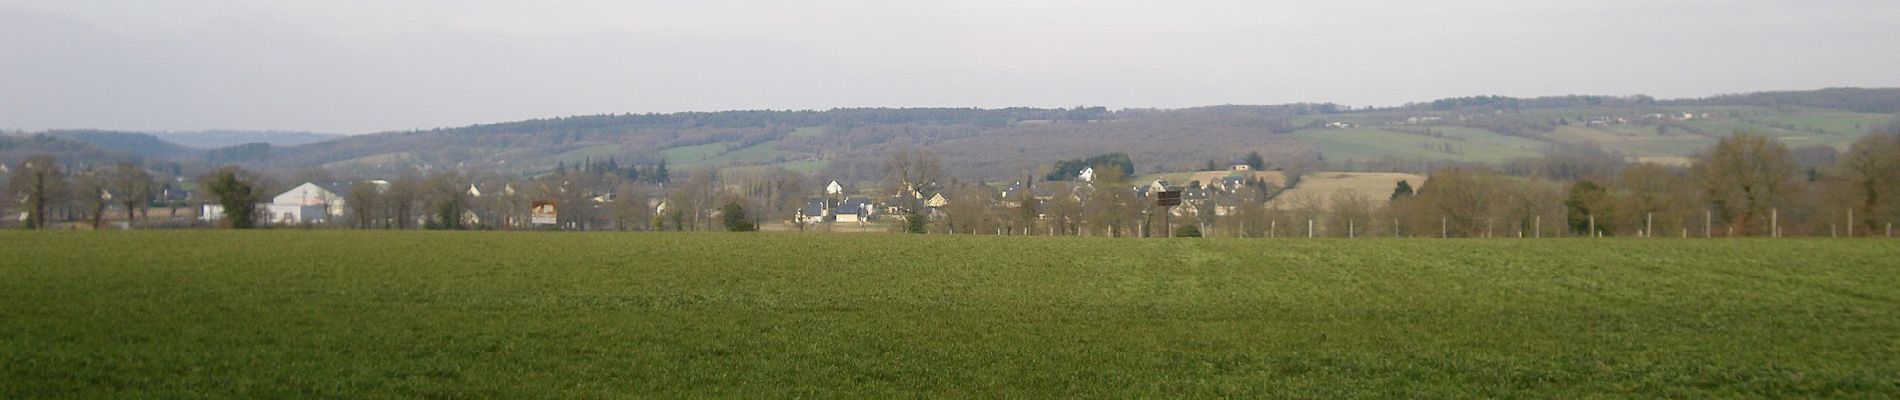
{"x":210,"y":212}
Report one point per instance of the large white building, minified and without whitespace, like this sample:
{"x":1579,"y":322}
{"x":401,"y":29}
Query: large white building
{"x":308,"y":203}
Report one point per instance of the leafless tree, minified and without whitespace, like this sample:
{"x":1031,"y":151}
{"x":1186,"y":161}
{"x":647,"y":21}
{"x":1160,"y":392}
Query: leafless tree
{"x":1742,"y":178}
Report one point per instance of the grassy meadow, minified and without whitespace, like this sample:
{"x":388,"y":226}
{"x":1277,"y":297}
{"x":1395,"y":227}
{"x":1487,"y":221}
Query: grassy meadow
{"x":354,"y":314}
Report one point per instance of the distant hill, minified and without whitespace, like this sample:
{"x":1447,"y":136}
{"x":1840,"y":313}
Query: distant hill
{"x":1000,"y":145}
{"x":223,"y":138}
{"x":72,"y":152}
{"x":1850,"y":99}
{"x":1011,"y":143}
{"x":140,"y":144}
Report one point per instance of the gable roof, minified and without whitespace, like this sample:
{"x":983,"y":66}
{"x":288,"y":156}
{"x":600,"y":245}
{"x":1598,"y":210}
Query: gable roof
{"x":813,"y":208}
{"x":334,"y":189}
{"x":853,"y":206}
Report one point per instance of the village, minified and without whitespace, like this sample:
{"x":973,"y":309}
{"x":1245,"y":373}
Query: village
{"x":1019,"y":207}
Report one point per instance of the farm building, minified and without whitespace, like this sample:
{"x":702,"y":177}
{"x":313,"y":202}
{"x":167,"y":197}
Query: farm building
{"x":309,"y":202}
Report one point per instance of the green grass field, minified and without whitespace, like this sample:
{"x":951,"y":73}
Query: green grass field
{"x":351,"y":314}
{"x":1373,"y":144}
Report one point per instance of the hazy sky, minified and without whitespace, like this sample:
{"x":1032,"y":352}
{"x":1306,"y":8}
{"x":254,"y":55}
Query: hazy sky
{"x":363,"y":66}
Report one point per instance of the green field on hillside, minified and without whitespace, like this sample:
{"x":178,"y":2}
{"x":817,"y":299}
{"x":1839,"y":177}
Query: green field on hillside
{"x":582,"y":155}
{"x":1452,"y":143}
{"x":360,"y":314}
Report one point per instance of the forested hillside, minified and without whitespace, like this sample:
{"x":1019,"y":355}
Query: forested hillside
{"x":1012,"y":143}
{"x":226,"y":138}
{"x":140,"y":144}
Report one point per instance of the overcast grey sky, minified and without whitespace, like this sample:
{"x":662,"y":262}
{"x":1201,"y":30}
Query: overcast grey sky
{"x":354,"y":66}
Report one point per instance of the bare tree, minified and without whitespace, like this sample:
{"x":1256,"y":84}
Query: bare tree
{"x":365,"y":199}
{"x":906,"y":174}
{"x":630,"y":207}
{"x":972,"y":209}
{"x":132,"y":187}
{"x":1742,"y":177}
{"x":1351,"y":211}
{"x":1869,"y":178}
{"x":40,"y":182}
{"x":403,"y":197}
{"x":90,"y":194}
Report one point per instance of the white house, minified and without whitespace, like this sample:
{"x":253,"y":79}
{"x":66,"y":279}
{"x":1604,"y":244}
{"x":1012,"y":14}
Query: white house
{"x":1159,"y":185}
{"x":853,"y":210}
{"x":813,"y":212}
{"x":834,"y":188}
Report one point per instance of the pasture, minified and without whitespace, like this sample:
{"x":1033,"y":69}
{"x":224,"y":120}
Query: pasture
{"x":380,"y":314}
{"x":1445,"y":143}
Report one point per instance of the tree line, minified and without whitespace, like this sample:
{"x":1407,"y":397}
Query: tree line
{"x":1745,"y":185}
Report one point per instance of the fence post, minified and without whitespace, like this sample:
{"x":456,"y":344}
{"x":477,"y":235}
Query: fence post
{"x":1649,"y":224}
{"x":1444,"y":231}
{"x":1593,"y":226}
{"x":1349,"y":228}
{"x":1708,"y":223}
{"x":1538,"y":230}
{"x":1774,"y":222}
{"x":1309,"y":228}
{"x":1850,"y":222}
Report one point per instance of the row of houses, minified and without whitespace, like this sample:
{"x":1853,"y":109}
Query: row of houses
{"x":1211,"y":190}
{"x":325,"y":202}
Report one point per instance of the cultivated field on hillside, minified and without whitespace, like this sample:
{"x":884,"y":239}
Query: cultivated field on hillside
{"x":355,"y":314}
{"x":1320,"y":187}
